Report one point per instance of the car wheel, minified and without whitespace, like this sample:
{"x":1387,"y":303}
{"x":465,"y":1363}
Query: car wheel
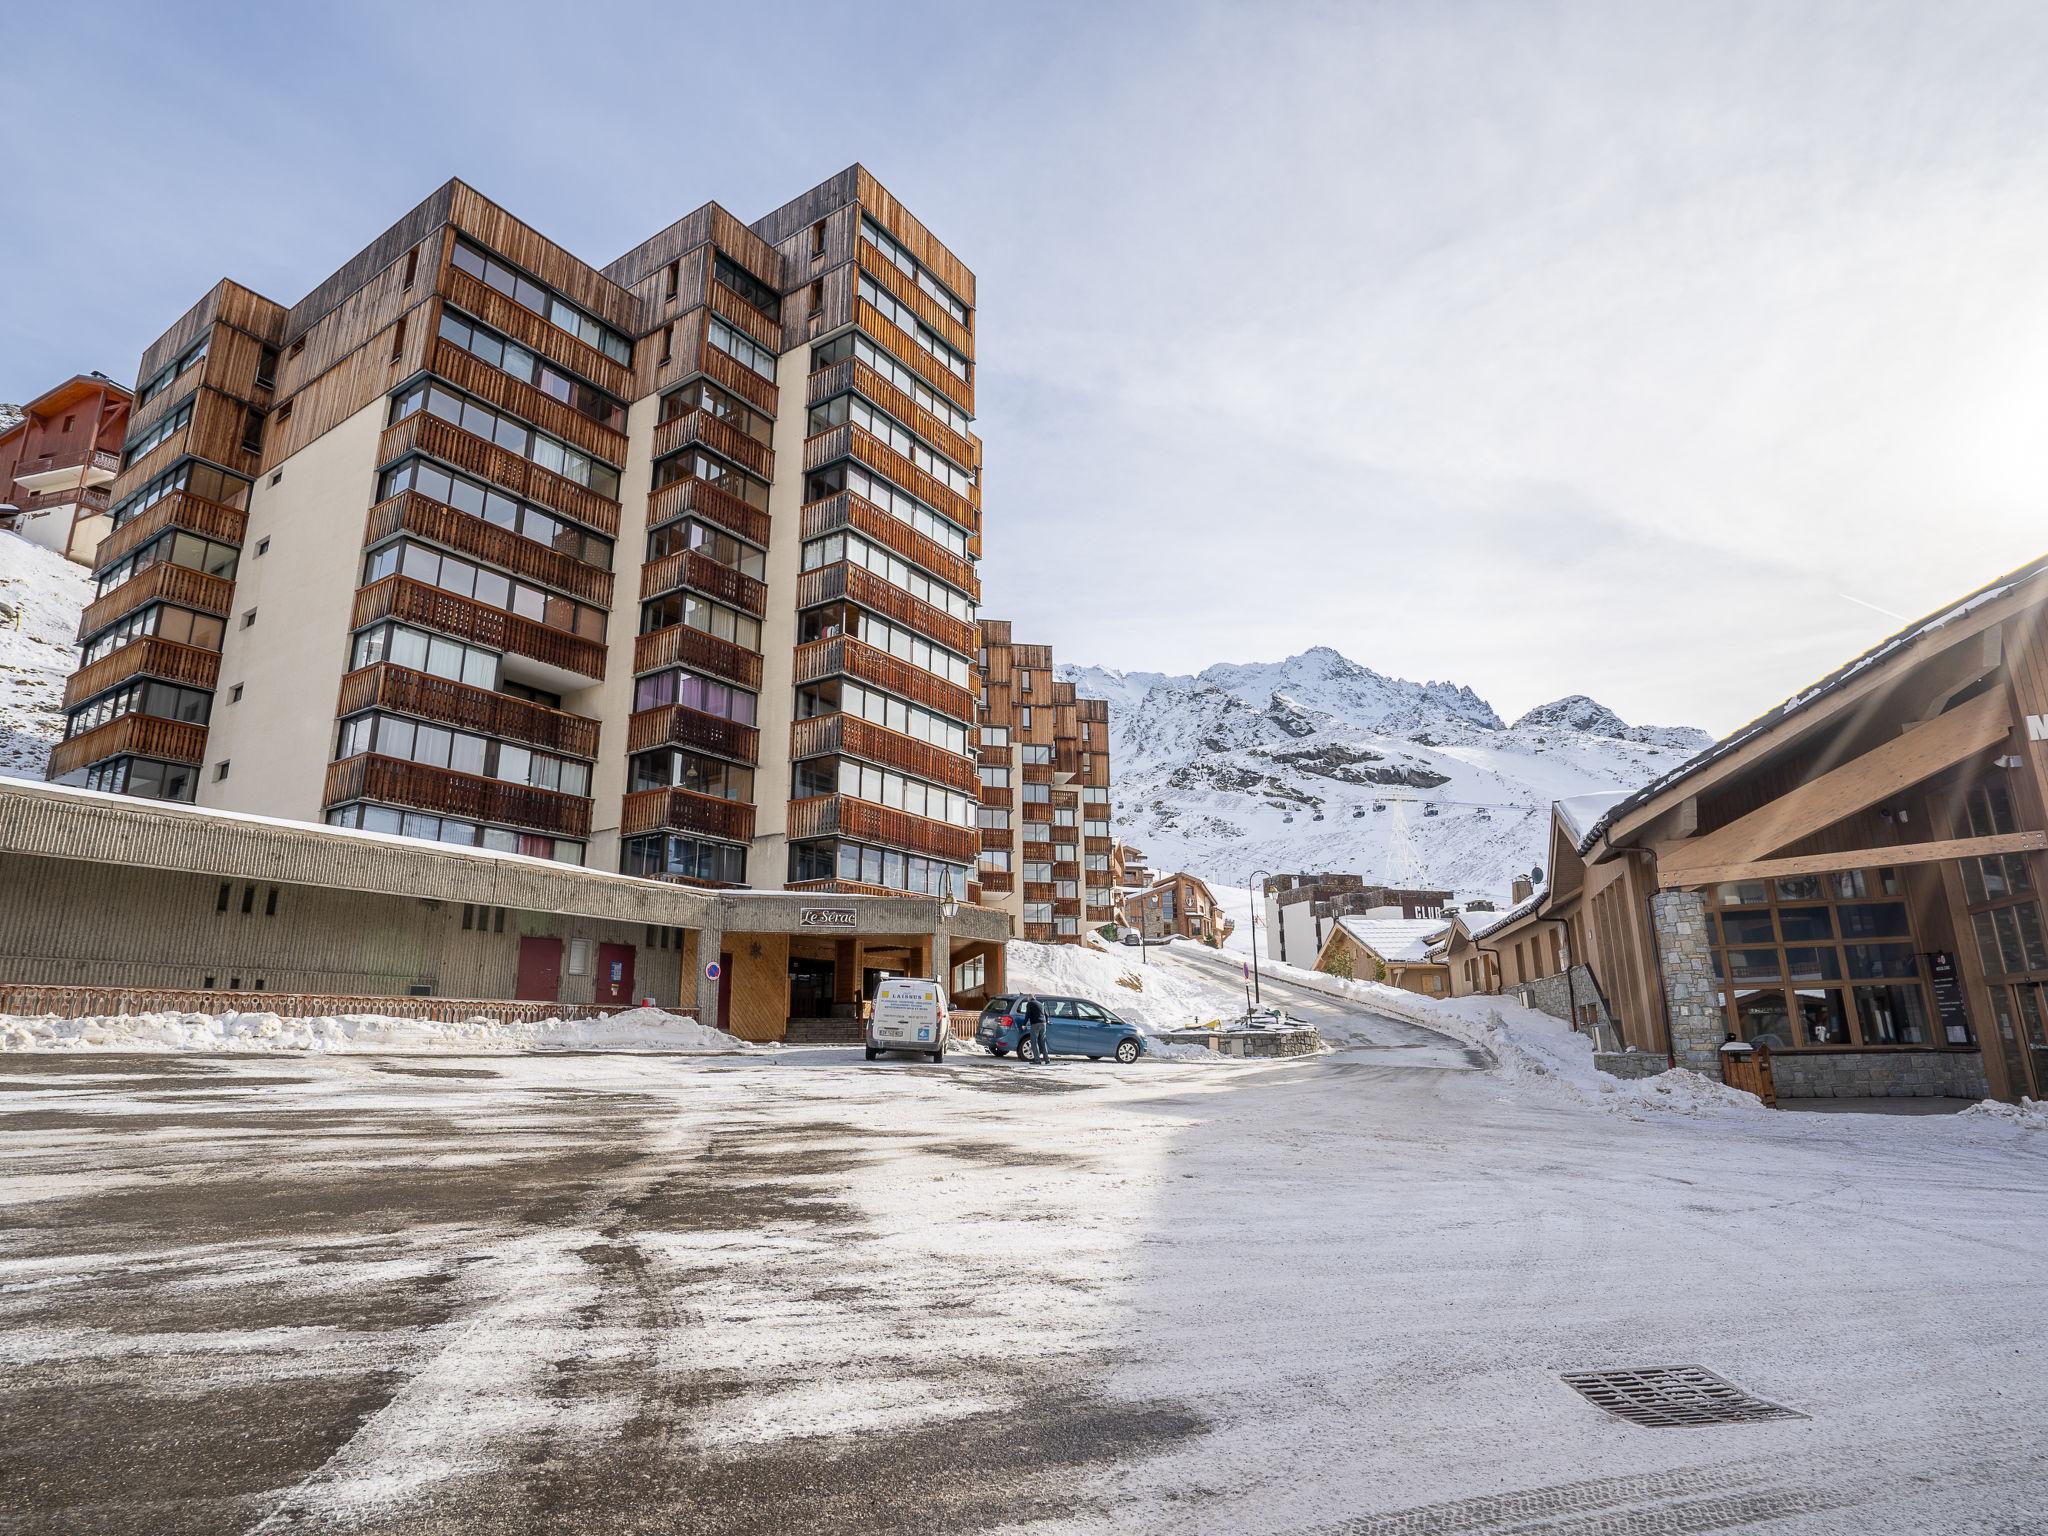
{"x":939,"y":1058}
{"x":1127,"y":1051}
{"x":999,"y":1050}
{"x":873,"y":1053}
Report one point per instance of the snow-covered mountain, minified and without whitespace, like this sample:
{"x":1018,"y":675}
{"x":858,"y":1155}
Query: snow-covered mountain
{"x":1319,"y":763}
{"x":38,"y":650}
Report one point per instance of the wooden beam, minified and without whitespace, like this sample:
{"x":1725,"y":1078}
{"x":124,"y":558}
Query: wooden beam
{"x":1855,"y":858}
{"x":1895,"y":765}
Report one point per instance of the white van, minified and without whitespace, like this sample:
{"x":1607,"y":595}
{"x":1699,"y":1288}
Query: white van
{"x":909,"y":1015}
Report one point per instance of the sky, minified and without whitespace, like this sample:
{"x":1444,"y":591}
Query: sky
{"x":1668,"y":353}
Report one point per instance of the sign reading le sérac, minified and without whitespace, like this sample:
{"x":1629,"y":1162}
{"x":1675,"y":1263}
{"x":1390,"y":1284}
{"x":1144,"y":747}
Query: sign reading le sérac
{"x":826,"y":917}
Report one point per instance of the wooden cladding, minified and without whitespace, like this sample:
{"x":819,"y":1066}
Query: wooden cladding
{"x":936,"y":317}
{"x":834,"y":735}
{"x":478,"y":299}
{"x":403,"y":691}
{"x":495,"y":387}
{"x":361,"y":379}
{"x":830,"y":583}
{"x":171,"y":583}
{"x":391,"y":781}
{"x":700,"y":573}
{"x":884,"y":334}
{"x":680,"y":646}
{"x":682,"y":810}
{"x":523,"y":246}
{"x":855,"y":375}
{"x":429,"y":434}
{"x":700,"y":426}
{"x":671,"y":725}
{"x":685,"y":497}
{"x":180,"y":509}
{"x":842,"y":655}
{"x":724,"y":369}
{"x":145,"y":657}
{"x":847,"y":510}
{"x":849,"y":440}
{"x":414,"y":602}
{"x":844,"y":816}
{"x":410,"y":512}
{"x":880,"y":204}
{"x":226,"y":303}
{"x":176,"y":741}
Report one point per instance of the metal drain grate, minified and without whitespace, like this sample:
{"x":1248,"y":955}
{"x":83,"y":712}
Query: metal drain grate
{"x":1673,"y":1397}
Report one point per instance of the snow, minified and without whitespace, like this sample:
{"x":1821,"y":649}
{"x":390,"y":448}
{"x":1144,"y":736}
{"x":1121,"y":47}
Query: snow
{"x":636,"y":1029}
{"x":1582,"y":813}
{"x":1152,"y":994}
{"x":2029,"y":1113}
{"x":48,"y":592}
{"x":1394,"y":938}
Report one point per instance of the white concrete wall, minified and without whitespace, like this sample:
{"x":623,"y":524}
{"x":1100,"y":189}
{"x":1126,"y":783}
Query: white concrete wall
{"x":610,"y":702}
{"x":768,"y":860}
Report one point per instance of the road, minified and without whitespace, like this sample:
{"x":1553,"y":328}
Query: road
{"x":793,"y":1292}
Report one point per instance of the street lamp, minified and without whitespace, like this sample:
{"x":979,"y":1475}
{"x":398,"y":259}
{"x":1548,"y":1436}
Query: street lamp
{"x":1253,"y":896}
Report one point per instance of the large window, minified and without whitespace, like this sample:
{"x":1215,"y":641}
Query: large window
{"x":166,"y":701}
{"x":891,"y":567}
{"x":437,"y":746}
{"x":703,"y":395}
{"x":672,"y":857}
{"x":173,"y":547}
{"x":145,"y":777}
{"x":165,"y":623}
{"x":482,"y":584}
{"x":741,"y":348}
{"x":841,"y":409}
{"x":494,"y":506}
{"x":171,"y":372}
{"x":700,"y":613}
{"x":509,"y":357}
{"x":695,"y":463}
{"x":509,"y":433}
{"x":714,"y":544}
{"x":174,"y":423}
{"x":202,"y":480}
{"x":451,"y":829}
{"x":904,"y":644}
{"x":676,"y":769}
{"x":706,"y":695}
{"x":883,"y":786}
{"x":747,"y":286}
{"x":852,"y":344}
{"x":522,"y":289}
{"x":913,"y":269}
{"x":905,"y":320}
{"x":436,"y":655}
{"x":837,"y":696}
{"x":891,"y":868}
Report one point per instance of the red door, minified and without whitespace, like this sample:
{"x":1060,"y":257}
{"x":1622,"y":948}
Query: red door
{"x":615,"y":975}
{"x":540,"y":970}
{"x":725,"y":992}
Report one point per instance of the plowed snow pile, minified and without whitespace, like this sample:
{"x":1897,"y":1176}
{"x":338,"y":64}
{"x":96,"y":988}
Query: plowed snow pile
{"x":1152,"y":996}
{"x":38,"y":650}
{"x":637,"y":1029}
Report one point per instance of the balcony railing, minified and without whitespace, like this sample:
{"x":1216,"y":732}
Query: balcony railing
{"x":737,"y":377}
{"x":96,"y":461}
{"x":180,"y":509}
{"x":722,"y":437}
{"x":495,"y":387}
{"x":697,"y":571}
{"x":847,"y":510}
{"x":390,"y":781}
{"x":172,"y":583}
{"x":884,"y":334}
{"x":671,"y":725}
{"x":858,"y":443}
{"x":683,"y":810}
{"x":423,"y":432}
{"x":843,"y":816}
{"x":841,"y":579}
{"x":856,"y":375}
{"x":410,"y":512}
{"x":414,"y":602}
{"x":682,"y":497}
{"x":681,"y":646}
{"x":834,"y":735}
{"x":403,"y":691}
{"x":469,"y":293}
{"x":997,"y":880}
{"x":842,"y":655}
{"x":93,"y":499}
{"x":175,"y":741}
{"x":144,"y":657}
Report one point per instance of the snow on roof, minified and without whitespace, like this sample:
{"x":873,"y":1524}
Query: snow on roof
{"x":1394,"y":938}
{"x":1581,"y":813}
{"x":1487,"y":922}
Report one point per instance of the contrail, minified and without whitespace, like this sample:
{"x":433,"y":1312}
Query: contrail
{"x":1845,"y":597}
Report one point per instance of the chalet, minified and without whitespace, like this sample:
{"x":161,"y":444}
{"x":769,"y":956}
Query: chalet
{"x":1388,"y":948}
{"x":1177,"y":906}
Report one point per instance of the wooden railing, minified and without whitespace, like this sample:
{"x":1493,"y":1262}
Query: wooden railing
{"x":478,"y":298}
{"x":843,"y":816}
{"x":671,"y":725}
{"x":697,"y":571}
{"x":172,"y":583}
{"x":997,"y":880}
{"x":737,"y":312}
{"x":997,"y":795}
{"x":411,"y":512}
{"x":997,"y":837}
{"x":414,"y":602}
{"x":146,"y":656}
{"x":499,"y":389}
{"x":180,"y":509}
{"x":842,"y":579}
{"x":68,"y":458}
{"x":683,"y":810}
{"x":700,"y":426}
{"x":425,"y":433}
{"x":937,"y":318}
{"x":34,"y":1000}
{"x":680,"y":646}
{"x":884,"y":333}
{"x":847,"y":510}
{"x":467,"y":795}
{"x":852,"y":374}
{"x":849,"y":440}
{"x":1099,"y":844}
{"x":844,"y":655}
{"x":835,"y":734}
{"x":682,"y":497}
{"x":835,"y":887}
{"x":407,"y":692}
{"x":89,"y":500}
{"x":736,"y":376}
{"x":1038,"y":890}
{"x":176,"y":741}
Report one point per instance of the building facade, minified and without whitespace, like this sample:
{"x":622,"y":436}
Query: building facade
{"x":1399,"y":951}
{"x":1177,"y":906}
{"x":1301,"y":909}
{"x":1043,"y":760}
{"x":58,"y":462}
{"x":666,"y":567}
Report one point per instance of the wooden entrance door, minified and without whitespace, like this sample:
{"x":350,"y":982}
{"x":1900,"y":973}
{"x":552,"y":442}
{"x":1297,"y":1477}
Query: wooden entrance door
{"x":2024,"y":1039}
{"x":540,"y":970}
{"x":725,"y":992}
{"x":615,"y":975}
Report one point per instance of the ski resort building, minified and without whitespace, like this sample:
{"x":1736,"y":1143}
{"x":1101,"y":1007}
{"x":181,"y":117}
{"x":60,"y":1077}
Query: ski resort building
{"x":1043,"y":761}
{"x":667,"y":567}
{"x":1177,"y":906}
{"x":1388,"y":948}
{"x":58,"y":462}
{"x":1301,"y":909}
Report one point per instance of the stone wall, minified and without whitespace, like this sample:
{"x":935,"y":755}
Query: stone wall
{"x":1631,"y":1063}
{"x":1878,"y":1074}
{"x":1692,"y":997}
{"x":1557,"y":995}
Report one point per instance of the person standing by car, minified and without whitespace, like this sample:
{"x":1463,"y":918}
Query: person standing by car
{"x":1034,"y":1029}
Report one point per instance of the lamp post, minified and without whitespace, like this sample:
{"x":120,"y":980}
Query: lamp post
{"x":1253,"y":896}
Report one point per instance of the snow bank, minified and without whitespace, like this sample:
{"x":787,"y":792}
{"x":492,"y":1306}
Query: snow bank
{"x":637,"y":1029}
{"x":46,"y":592}
{"x":2030,"y":1113}
{"x":1153,"y":996}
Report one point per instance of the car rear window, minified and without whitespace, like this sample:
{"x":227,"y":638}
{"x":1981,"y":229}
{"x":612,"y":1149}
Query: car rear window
{"x":999,"y":1005}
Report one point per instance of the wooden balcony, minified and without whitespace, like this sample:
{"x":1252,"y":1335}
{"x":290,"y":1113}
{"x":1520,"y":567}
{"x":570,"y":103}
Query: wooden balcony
{"x":429,"y":434}
{"x":736,"y":376}
{"x":414,"y":602}
{"x":850,"y":441}
{"x":997,"y":880}
{"x":1037,"y":811}
{"x":1099,"y":844}
{"x":535,"y":332}
{"x":671,"y":725}
{"x":849,"y":511}
{"x":844,"y":656}
{"x":698,"y":572}
{"x":1038,"y":890}
{"x":937,"y":318}
{"x":410,"y":512}
{"x":835,"y":735}
{"x":843,"y":888}
{"x":93,"y":500}
{"x":683,"y":810}
{"x":403,"y":691}
{"x":742,"y":316}
{"x":172,"y":583}
{"x":180,"y":509}
{"x":390,"y":781}
{"x":498,"y":389}
{"x":855,"y":375}
{"x":721,"y":437}
{"x":844,"y":816}
{"x":682,"y":498}
{"x":174,"y":741}
{"x":680,"y":646}
{"x":997,"y":837}
{"x":856,"y":584}
{"x":144,"y":657}
{"x":885,"y":334}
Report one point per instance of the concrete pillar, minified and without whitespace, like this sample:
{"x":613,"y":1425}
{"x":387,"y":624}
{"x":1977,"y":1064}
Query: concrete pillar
{"x":942,"y":959}
{"x":1692,"y":998}
{"x":710,"y":942}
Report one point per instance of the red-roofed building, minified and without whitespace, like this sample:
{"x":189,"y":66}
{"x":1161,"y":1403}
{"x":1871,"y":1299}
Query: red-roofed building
{"x":57,"y":462}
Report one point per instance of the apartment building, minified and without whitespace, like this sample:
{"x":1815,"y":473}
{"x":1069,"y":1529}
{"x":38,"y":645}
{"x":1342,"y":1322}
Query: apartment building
{"x":1177,"y":906}
{"x":480,"y":544}
{"x":1043,"y":760}
{"x":1302,"y":909}
{"x":57,"y":463}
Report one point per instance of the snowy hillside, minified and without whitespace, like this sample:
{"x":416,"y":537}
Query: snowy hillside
{"x":1319,"y":763}
{"x":47,"y":592}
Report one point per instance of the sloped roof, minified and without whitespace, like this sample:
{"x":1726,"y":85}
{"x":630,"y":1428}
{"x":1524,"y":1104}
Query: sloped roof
{"x":1395,"y":939}
{"x":1582,"y":813}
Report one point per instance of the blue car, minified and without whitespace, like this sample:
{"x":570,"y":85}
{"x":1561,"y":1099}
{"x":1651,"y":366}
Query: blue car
{"x":1073,"y":1027}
